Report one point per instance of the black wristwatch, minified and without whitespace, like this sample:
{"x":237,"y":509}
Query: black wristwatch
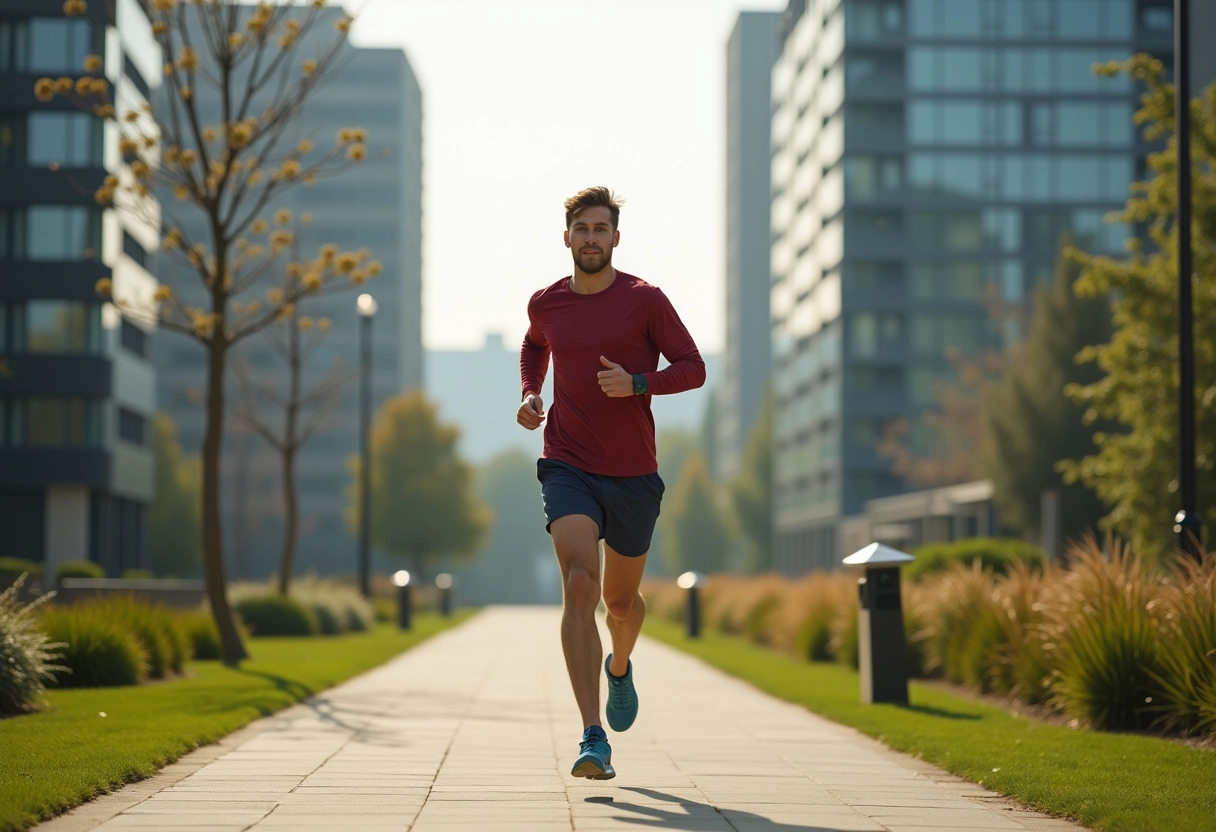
{"x":640,"y":387}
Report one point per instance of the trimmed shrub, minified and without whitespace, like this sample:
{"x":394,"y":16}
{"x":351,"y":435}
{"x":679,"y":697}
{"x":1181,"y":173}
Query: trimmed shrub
{"x":1106,"y":656}
{"x":13,"y":568}
{"x":79,"y":569}
{"x":270,"y":614}
{"x":996,"y":555}
{"x":138,"y":574}
{"x":1187,"y":678}
{"x":27,"y":656}
{"x":98,"y":651}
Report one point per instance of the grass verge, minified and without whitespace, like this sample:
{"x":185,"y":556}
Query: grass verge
{"x":1115,"y":782}
{"x":62,"y":756}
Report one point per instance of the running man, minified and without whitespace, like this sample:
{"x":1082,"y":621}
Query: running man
{"x":605,"y":330}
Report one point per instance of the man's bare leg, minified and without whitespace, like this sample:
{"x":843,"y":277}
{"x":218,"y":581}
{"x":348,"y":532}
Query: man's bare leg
{"x":576,"y":542}
{"x":626,"y":608}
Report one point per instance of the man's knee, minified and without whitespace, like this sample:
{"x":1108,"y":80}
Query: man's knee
{"x":622,"y":606}
{"x":582,"y":587}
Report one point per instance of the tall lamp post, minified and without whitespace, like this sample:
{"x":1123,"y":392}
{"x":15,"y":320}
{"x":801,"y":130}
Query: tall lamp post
{"x":1186,"y":521}
{"x":366,"y":305}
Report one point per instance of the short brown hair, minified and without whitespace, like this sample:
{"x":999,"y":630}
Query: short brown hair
{"x":591,"y":197}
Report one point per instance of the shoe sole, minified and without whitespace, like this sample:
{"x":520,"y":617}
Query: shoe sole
{"x":591,"y":771}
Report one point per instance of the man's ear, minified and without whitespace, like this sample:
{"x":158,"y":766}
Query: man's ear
{"x":566,"y":238}
{"x":616,"y":238}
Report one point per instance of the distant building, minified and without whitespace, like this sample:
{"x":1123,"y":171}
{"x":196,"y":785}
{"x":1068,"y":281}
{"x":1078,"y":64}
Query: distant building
{"x":479,"y":391}
{"x":77,"y":386}
{"x":927,"y":157}
{"x":376,"y":205}
{"x":745,"y":358}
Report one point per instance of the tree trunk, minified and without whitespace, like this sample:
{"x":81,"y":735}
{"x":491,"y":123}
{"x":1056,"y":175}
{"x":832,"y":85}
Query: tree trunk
{"x":287,"y":560}
{"x":288,"y":451}
{"x":231,"y":647}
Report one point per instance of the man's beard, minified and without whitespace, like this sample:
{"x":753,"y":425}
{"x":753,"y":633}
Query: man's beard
{"x":592,"y":262}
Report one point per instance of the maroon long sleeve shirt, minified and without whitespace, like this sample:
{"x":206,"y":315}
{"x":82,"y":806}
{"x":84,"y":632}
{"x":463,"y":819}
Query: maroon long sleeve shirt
{"x":630,"y":323}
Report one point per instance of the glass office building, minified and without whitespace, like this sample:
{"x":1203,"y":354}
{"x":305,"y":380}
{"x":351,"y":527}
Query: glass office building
{"x":376,"y":205}
{"x":928,"y":158}
{"x":745,"y":359}
{"x":77,"y":386}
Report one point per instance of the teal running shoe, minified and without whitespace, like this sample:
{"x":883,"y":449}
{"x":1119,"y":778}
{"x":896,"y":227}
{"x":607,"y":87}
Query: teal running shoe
{"x":595,"y":756}
{"x":622,"y":708}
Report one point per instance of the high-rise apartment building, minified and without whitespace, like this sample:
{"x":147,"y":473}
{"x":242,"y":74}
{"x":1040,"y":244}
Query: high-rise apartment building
{"x":928,"y":157}
{"x":374,"y":205}
{"x":750,"y":53}
{"x":77,"y":384}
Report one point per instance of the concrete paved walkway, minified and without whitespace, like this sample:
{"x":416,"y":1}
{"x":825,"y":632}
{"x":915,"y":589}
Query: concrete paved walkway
{"x":476,"y":730}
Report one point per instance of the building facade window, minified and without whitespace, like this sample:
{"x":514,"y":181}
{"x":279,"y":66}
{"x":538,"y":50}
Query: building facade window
{"x":58,"y":326}
{"x":133,"y":339}
{"x":132,"y":427}
{"x":63,"y":232}
{"x":68,"y":139}
{"x":58,"y":45}
{"x":57,"y":422}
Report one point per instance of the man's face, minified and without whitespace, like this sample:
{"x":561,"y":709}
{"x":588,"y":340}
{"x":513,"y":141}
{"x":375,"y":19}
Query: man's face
{"x":591,"y":239}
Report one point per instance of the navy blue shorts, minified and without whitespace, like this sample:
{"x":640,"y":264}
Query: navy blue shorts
{"x":625,"y":508}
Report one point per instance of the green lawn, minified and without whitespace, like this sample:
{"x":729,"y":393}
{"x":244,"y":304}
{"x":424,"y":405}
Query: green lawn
{"x":1107,"y":781}
{"x":70,"y":752}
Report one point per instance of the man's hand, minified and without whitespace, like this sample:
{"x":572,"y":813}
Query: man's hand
{"x":615,"y":381}
{"x":531,"y":412}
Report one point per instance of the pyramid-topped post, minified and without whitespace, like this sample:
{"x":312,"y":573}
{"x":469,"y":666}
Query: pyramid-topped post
{"x":881,"y":642}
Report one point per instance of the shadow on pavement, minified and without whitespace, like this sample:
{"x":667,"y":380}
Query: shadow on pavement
{"x":684,"y":818}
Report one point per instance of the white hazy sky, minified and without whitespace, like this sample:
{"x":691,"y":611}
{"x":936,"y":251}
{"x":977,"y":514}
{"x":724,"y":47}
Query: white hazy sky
{"x":526,"y":102}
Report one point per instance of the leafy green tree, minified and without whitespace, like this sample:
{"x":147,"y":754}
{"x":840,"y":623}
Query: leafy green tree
{"x":1030,"y":427}
{"x":673,"y":447}
{"x":504,"y":570}
{"x":423,"y":502}
{"x":1134,"y":471}
{"x":174,"y":517}
{"x":697,"y":536}
{"x":752,"y":490}
{"x":217,"y":138}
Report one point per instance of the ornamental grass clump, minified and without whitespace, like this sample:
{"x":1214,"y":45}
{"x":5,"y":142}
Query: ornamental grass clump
{"x":1103,"y":639}
{"x":204,"y":636}
{"x":1019,"y":665}
{"x":28,"y":657}
{"x":338,"y":608}
{"x":159,"y":630}
{"x":1187,"y":675}
{"x":98,"y":651}
{"x":961,"y":627}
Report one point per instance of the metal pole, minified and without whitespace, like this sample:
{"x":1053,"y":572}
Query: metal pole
{"x":365,"y":472}
{"x":1186,"y":361}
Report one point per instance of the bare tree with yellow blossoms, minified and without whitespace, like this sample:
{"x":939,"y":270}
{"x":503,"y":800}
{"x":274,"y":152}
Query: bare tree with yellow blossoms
{"x":297,"y":413}
{"x":248,"y":60}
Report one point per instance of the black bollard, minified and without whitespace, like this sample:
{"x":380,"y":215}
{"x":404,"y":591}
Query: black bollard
{"x":405,"y":603}
{"x":444,"y":582}
{"x":691,"y":581}
{"x":882,"y":645}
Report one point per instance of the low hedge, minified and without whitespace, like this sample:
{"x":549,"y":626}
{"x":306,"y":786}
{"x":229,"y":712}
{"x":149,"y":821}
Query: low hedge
{"x":997,"y":555}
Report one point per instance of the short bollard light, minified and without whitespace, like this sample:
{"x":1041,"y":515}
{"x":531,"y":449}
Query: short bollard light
{"x":882,"y":646}
{"x":692,"y":609}
{"x":444,"y":582}
{"x":401,"y":579}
